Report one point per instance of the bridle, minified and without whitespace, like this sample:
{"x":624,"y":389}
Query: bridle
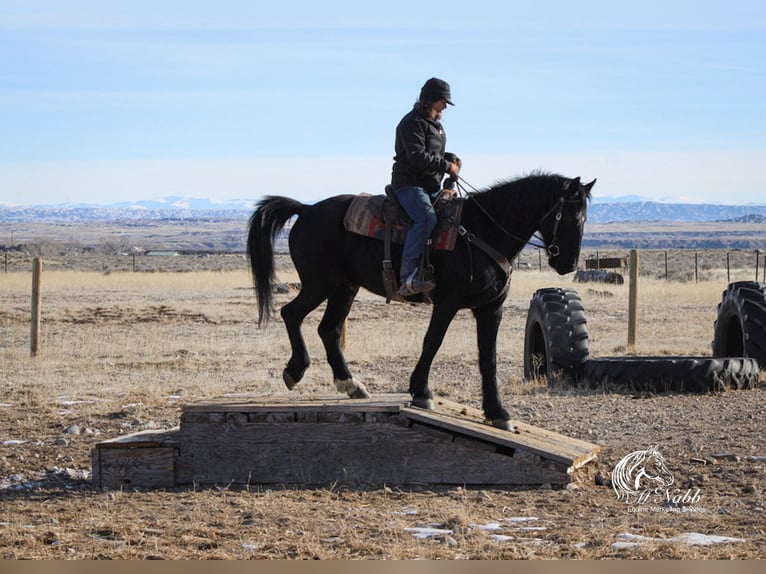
{"x":557,"y":211}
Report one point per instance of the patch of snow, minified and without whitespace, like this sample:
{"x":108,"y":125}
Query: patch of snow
{"x":628,"y":540}
{"x":488,"y":526}
{"x":520,"y":519}
{"x":427,"y":532}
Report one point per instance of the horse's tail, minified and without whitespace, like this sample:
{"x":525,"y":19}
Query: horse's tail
{"x":268,"y":219}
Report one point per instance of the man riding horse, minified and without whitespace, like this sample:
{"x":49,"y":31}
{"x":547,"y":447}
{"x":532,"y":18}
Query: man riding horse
{"x":416,"y":177}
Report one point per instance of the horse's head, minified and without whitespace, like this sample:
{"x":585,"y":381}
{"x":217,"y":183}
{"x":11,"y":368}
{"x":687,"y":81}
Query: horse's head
{"x":562,"y":225}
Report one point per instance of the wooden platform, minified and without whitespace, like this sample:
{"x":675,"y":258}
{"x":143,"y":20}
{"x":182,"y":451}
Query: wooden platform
{"x":331,"y":439}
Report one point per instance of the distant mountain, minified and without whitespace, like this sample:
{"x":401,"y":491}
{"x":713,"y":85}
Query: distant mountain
{"x":629,"y":208}
{"x":186,"y":203}
{"x":654,"y":211}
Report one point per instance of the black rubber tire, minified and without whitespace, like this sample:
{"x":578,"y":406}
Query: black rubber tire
{"x":556,"y":335}
{"x":740,"y":329}
{"x":677,"y":374}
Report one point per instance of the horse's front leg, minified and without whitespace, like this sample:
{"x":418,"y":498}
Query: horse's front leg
{"x":441,"y":317}
{"x":330,"y":331}
{"x":488,"y":319}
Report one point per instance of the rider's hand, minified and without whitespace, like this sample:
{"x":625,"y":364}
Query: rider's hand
{"x":448,"y":194}
{"x":453,"y":169}
{"x":452,"y":158}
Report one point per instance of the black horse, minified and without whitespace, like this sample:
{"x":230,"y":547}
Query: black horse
{"x":333,"y":264}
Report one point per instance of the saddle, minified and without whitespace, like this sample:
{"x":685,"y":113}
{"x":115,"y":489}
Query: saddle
{"x":381,"y":217}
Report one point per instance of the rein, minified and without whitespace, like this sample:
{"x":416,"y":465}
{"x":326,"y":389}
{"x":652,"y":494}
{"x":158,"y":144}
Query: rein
{"x":553,"y":249}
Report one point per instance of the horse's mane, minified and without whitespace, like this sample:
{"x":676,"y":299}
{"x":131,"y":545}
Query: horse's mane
{"x":529,"y":193}
{"x":520,"y":182}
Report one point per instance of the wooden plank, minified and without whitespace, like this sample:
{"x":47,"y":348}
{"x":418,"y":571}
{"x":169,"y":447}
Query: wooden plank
{"x":578,"y":447}
{"x":390,"y":402}
{"x":142,"y":439}
{"x":574,"y":452}
{"x":549,"y":447}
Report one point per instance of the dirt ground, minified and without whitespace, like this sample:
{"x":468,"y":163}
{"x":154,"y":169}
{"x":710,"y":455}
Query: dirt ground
{"x":122,"y":351}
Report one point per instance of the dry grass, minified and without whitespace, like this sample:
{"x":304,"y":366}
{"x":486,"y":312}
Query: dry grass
{"x":121,"y":351}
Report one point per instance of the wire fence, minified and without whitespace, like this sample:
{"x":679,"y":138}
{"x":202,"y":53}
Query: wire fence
{"x":682,"y":265}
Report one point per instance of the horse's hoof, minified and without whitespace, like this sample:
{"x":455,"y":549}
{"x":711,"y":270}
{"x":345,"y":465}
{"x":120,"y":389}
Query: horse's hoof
{"x":423,"y":403}
{"x":359,"y":393}
{"x":353,"y":388}
{"x":289,"y":381}
{"x":503,"y":424}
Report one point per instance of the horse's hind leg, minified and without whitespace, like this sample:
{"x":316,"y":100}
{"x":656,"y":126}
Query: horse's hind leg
{"x":293,"y":314}
{"x":330,"y":330}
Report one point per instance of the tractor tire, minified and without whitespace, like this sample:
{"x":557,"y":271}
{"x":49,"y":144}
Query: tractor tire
{"x":740,"y":329}
{"x":676,"y":374}
{"x":556,"y":335}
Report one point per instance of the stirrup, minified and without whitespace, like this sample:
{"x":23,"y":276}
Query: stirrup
{"x":414,"y":286}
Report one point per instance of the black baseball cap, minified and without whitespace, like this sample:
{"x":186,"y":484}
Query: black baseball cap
{"x":434,"y":90}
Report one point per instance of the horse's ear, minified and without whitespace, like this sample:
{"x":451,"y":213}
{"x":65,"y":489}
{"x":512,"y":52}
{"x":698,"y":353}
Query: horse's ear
{"x":589,"y":186}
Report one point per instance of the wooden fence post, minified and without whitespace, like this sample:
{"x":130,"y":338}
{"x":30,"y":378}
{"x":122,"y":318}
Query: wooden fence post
{"x":37,"y":271}
{"x":696,"y":267}
{"x":633,"y":299}
{"x":728,"y":272}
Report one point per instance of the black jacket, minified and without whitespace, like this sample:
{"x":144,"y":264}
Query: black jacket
{"x":419,"y":149}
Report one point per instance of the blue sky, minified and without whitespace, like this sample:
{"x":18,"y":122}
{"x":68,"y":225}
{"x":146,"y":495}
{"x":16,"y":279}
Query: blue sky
{"x":114,"y":101}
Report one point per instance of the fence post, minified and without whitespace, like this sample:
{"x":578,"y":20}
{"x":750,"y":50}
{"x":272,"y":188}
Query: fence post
{"x":696,"y":268}
{"x":633,"y":299}
{"x":37,"y":271}
{"x":728,"y":273}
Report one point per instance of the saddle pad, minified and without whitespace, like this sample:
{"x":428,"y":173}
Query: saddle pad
{"x":367,"y":215}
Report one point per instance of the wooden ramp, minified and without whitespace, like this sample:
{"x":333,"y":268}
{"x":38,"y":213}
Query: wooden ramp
{"x":330,"y":439}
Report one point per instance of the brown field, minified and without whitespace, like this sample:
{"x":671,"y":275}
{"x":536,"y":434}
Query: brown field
{"x":122,"y":350}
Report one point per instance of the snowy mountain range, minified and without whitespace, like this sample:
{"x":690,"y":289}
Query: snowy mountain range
{"x":601,"y":210}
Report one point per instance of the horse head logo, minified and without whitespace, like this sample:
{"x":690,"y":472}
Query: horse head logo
{"x":641,"y":471}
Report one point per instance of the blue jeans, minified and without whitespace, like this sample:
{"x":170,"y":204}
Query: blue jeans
{"x":416,"y":202}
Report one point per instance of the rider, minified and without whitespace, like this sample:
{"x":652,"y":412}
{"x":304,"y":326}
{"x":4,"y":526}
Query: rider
{"x":420,"y":164}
